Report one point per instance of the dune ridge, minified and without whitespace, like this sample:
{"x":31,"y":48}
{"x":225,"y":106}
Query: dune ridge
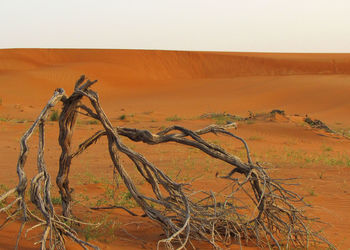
{"x":161,"y":65}
{"x":314,"y":84}
{"x":157,"y":89}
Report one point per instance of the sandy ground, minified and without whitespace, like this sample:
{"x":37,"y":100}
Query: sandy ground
{"x":149,"y":87}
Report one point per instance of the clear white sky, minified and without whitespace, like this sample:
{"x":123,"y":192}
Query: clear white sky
{"x":222,"y":25}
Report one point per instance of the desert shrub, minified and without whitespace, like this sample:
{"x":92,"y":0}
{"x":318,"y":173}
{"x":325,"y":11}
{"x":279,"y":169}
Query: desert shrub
{"x":122,"y":117}
{"x":56,"y":200}
{"x":54,"y":115}
{"x":222,"y":118}
{"x":173,"y":118}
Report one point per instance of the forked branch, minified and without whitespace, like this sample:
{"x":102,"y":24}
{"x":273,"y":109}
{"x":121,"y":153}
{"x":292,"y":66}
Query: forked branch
{"x":251,"y":207}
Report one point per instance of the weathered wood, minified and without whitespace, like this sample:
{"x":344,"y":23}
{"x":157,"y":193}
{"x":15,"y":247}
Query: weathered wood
{"x":40,"y":189}
{"x":67,"y":123}
{"x":271,"y":219}
{"x":22,"y":179}
{"x":193,"y":219}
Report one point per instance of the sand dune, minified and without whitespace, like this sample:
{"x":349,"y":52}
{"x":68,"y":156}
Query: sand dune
{"x":161,"y":65}
{"x":316,"y":84}
{"x":149,"y":86}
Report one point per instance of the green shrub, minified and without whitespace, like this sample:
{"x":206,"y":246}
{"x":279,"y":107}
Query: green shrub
{"x":222,"y":118}
{"x":54,"y":115}
{"x":173,"y":118}
{"x":56,"y":200}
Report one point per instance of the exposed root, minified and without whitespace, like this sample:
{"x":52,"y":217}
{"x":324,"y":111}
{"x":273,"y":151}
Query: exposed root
{"x":251,"y":207}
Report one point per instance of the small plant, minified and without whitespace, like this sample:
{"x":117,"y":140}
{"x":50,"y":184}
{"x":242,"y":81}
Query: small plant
{"x":122,"y":117}
{"x":56,"y":200}
{"x":101,"y":202}
{"x":83,"y":197}
{"x":312,"y":192}
{"x":173,"y":118}
{"x":91,"y":178}
{"x":347,"y":162}
{"x":333,"y":161}
{"x":327,"y":148}
{"x":102,"y":228}
{"x":91,"y":232}
{"x":54,"y":116}
{"x":125,"y":199}
{"x":222,"y":118}
{"x":3,"y":188}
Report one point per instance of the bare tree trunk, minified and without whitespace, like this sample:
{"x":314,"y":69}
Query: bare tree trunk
{"x":66,"y":125}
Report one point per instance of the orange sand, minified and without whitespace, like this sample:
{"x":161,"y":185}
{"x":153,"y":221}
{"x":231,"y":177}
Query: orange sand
{"x":149,"y":86}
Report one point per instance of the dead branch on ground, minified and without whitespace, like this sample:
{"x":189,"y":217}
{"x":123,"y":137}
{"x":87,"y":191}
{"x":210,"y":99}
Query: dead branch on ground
{"x":255,"y":208}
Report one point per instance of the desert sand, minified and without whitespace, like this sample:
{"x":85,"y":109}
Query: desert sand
{"x":151,"y":88}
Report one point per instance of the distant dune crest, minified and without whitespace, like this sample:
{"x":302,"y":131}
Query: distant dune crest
{"x":161,"y":65}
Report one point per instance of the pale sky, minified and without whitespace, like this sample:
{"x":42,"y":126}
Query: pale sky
{"x":219,"y":25}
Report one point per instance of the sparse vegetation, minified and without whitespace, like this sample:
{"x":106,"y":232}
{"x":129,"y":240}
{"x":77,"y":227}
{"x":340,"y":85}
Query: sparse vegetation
{"x":343,"y":131}
{"x":122,"y":117}
{"x":125,"y":199}
{"x":3,"y":188}
{"x":327,"y":148}
{"x":312,"y":192}
{"x":264,"y":115}
{"x":90,"y":178}
{"x":222,"y":118}
{"x":173,"y":118}
{"x":102,"y":228}
{"x":293,"y":156}
{"x":56,"y":200}
{"x":54,"y":116}
{"x":252,"y":206}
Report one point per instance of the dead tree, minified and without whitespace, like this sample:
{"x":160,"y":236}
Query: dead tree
{"x":269,"y":216}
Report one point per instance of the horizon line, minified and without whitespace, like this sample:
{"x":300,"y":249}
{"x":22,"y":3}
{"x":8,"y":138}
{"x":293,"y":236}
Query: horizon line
{"x":172,"y":50}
